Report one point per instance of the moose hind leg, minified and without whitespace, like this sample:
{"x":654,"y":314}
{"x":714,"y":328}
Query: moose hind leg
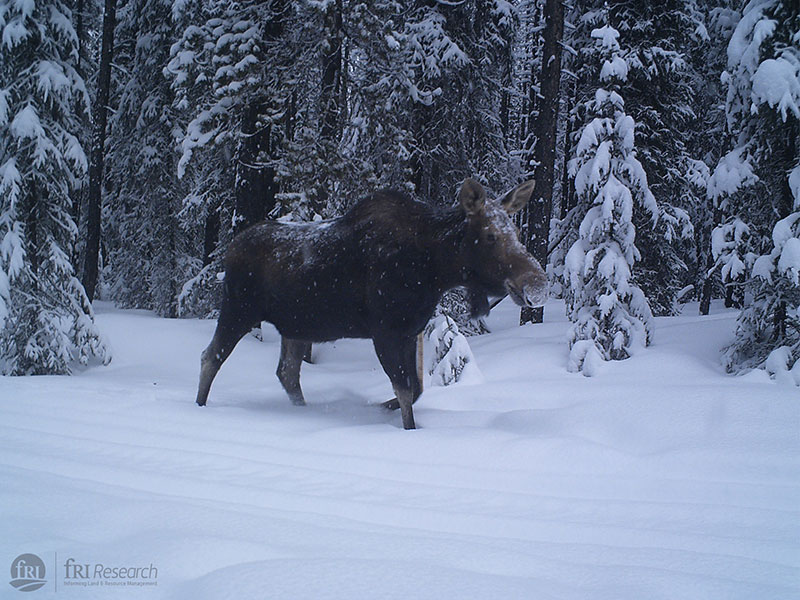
{"x":292,"y":353}
{"x":226,"y":336}
{"x":398,"y":358}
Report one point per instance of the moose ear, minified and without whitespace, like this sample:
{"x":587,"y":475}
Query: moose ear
{"x":514,"y":200}
{"x":472,"y":196}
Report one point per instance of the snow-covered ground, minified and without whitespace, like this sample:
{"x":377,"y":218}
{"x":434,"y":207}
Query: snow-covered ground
{"x":660,"y":478}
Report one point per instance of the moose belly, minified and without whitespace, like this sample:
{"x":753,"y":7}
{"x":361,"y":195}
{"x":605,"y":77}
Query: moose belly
{"x":316,"y":316}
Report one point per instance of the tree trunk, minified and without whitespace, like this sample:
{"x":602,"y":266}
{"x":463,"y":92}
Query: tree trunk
{"x":708,"y":286}
{"x":568,"y":198}
{"x":331,"y":97}
{"x":80,"y":31}
{"x":94,"y":196}
{"x":779,"y":322}
{"x":255,"y":181}
{"x":544,"y":152}
{"x":255,"y":185}
{"x":733,"y":295}
{"x":210,"y":235}
{"x":331,"y":70}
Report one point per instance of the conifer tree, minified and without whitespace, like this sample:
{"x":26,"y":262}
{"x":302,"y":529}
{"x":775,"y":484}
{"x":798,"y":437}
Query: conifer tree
{"x":708,"y":143}
{"x":228,"y":71}
{"x":94,"y":195}
{"x":763,"y":111}
{"x":609,"y":312}
{"x":150,"y":253}
{"x":661,"y":75}
{"x":451,"y":359}
{"x":429,"y":64}
{"x":46,"y":321}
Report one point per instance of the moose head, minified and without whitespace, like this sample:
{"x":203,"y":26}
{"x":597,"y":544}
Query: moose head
{"x":495,"y":258}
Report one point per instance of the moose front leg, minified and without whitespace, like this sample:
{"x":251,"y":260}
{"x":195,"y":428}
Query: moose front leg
{"x":398,"y":357}
{"x":393,"y":404}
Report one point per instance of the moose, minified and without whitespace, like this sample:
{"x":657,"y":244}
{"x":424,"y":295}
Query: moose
{"x":376,"y":272}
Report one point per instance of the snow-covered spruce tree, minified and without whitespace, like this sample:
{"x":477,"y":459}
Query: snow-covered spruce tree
{"x":658,"y":92}
{"x":732,"y":240}
{"x":609,"y":312}
{"x":737,"y":226}
{"x":379,"y":88}
{"x":439,"y":77}
{"x":708,"y":143}
{"x":149,"y":253}
{"x":763,"y":110}
{"x":227,"y":71}
{"x":659,"y":89}
{"x":265,"y":88}
{"x":768,"y":329}
{"x":451,"y":359}
{"x":325,"y":164}
{"x":46,"y":321}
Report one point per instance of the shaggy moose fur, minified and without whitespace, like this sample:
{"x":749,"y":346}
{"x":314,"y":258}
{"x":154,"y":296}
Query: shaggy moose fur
{"x":377,"y":272}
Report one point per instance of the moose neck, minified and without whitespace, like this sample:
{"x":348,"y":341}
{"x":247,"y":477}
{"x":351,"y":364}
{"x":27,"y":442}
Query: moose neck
{"x":447,"y":249}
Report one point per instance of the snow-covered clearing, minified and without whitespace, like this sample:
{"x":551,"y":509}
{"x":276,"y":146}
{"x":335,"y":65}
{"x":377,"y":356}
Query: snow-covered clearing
{"x":660,"y":478}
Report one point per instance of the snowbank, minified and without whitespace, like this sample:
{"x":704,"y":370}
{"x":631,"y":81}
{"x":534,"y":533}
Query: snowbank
{"x":661,"y":477}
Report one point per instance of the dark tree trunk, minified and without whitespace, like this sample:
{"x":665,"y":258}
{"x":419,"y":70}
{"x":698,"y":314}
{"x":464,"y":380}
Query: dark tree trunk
{"x":210,"y":236}
{"x":522,"y":126}
{"x":708,"y":280}
{"x":544,"y":152}
{"x":172,"y":307}
{"x":779,"y":322}
{"x":291,"y":112}
{"x":344,"y":105}
{"x":94,"y":196}
{"x":734,"y":295}
{"x":330,"y":95}
{"x":80,"y":31}
{"x":708,"y":286}
{"x":331,"y":71}
{"x":728,"y":296}
{"x":255,"y":185}
{"x":504,"y":110}
{"x":568,"y":198}
{"x":255,"y":180}
{"x":422,"y":164}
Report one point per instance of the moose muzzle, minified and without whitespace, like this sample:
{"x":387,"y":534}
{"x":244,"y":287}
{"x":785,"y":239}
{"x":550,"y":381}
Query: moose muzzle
{"x":528,"y":289}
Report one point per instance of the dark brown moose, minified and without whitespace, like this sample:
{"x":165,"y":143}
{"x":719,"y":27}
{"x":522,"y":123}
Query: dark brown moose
{"x":377,"y":272}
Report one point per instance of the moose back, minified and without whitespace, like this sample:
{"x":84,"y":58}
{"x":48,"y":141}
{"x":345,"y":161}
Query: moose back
{"x":377,"y":272}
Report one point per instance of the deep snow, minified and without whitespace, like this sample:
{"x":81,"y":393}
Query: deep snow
{"x":661,"y":477}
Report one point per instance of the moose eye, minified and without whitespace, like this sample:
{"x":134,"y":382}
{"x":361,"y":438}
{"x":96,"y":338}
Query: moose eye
{"x":491,"y":238}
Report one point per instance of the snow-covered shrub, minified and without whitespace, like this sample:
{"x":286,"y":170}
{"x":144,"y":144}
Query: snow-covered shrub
{"x":783,"y":366}
{"x":610,"y":314}
{"x":451,"y":359}
{"x":46,"y":321}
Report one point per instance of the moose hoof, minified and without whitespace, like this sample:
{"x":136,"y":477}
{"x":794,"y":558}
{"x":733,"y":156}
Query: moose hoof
{"x":200,"y":402}
{"x":298,"y":401}
{"x":392,"y":404}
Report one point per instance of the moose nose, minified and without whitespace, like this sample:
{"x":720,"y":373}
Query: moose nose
{"x":529,"y":290}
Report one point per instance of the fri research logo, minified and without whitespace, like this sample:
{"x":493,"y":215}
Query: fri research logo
{"x":28,"y":573}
